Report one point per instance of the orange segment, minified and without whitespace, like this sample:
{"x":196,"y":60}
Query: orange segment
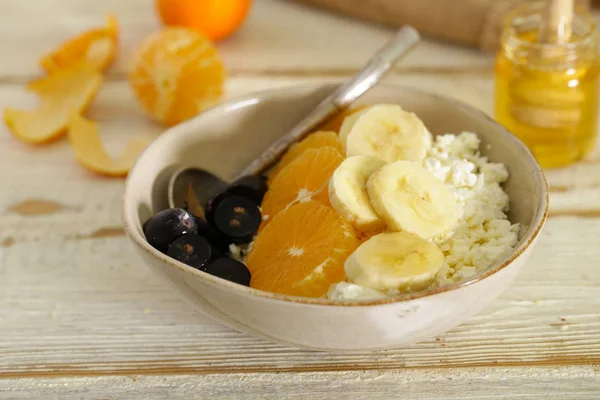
{"x":335,"y":123}
{"x":364,"y":236}
{"x":303,"y":179}
{"x":313,"y":141}
{"x":97,"y":47}
{"x":176,"y":74}
{"x":66,"y":91}
{"x":89,"y":151}
{"x":302,"y":251}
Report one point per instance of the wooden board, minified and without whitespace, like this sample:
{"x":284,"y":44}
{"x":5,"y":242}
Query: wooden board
{"x":80,"y":317}
{"x":446,"y":384}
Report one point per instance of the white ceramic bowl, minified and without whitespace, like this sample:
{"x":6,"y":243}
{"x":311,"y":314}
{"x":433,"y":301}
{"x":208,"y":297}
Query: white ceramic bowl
{"x":227,"y":137}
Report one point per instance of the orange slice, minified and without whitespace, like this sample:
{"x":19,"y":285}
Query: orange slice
{"x":89,"y":151}
{"x":313,"y":141}
{"x":302,"y":251}
{"x":66,"y":91}
{"x":97,"y":47}
{"x":335,"y":123}
{"x":305,"y":178}
{"x":177,"y":74}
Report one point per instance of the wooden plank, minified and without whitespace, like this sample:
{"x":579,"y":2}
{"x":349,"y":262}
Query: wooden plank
{"x":101,"y":312}
{"x":564,"y":383}
{"x":278,"y":36}
{"x":576,"y":190}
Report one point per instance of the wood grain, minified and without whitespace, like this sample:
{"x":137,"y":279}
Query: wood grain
{"x":87,"y":307}
{"x":560,"y":383}
{"x":80,"y":318}
{"x":278,"y":36}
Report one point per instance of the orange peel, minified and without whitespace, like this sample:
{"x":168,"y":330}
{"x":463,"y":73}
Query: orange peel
{"x":62,"y":93}
{"x":97,"y":47}
{"x":90,"y":152}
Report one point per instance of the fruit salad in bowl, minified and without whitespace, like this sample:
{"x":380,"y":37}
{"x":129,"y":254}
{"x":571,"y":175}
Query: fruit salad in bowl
{"x":375,"y":210}
{"x":409,"y":208}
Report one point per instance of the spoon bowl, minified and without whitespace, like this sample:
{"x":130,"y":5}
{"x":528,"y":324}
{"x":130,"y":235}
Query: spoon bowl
{"x":190,"y":188}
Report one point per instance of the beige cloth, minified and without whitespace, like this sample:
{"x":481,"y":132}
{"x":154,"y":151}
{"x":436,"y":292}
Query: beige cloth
{"x":469,"y":22}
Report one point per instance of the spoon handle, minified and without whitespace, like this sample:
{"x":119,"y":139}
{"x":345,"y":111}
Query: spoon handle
{"x":345,"y":94}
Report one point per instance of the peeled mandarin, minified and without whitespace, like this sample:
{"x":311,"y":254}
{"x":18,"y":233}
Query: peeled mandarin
{"x":176,"y":74}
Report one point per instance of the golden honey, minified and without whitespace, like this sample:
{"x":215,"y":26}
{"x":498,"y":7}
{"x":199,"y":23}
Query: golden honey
{"x":547,"y":93}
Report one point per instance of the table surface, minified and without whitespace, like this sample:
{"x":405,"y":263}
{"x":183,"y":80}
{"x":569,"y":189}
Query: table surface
{"x":81,"y":318}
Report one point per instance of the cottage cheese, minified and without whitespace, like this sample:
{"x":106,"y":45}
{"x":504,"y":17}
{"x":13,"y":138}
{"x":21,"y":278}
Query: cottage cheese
{"x":483,"y":234}
{"x":240,"y":252}
{"x":350,"y":291}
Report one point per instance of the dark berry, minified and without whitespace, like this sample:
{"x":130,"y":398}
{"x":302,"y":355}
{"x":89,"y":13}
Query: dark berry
{"x":167,"y":225}
{"x":192,"y":250}
{"x":230,"y":269}
{"x":211,"y":207}
{"x":238,"y":218}
{"x":253,"y":187}
{"x":219,"y":242}
{"x":216,"y":254}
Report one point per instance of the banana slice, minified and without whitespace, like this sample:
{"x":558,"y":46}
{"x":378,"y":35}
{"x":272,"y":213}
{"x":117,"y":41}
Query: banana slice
{"x":348,"y":193}
{"x":394,"y":260}
{"x":348,"y":123}
{"x":386,"y":131}
{"x":410,"y":198}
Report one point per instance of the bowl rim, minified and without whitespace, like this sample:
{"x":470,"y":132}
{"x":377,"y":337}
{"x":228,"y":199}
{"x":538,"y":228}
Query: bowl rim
{"x":180,"y":129}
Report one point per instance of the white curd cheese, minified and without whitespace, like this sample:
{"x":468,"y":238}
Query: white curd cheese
{"x":351,"y":291}
{"x":240,"y":252}
{"x":483,"y":233}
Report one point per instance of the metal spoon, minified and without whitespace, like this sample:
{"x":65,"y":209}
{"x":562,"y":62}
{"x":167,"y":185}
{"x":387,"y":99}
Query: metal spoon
{"x":194,"y":185}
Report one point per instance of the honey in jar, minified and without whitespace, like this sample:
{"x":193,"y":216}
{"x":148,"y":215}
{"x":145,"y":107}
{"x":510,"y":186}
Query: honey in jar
{"x":547,"y":92}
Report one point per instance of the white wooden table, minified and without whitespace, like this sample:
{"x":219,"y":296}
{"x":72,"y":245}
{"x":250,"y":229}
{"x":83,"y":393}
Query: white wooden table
{"x":81,"y":318}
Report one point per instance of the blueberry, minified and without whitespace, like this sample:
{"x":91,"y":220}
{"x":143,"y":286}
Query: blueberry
{"x":229,"y":269}
{"x":192,"y":250}
{"x":238,"y":218}
{"x":167,"y":225}
{"x":253,"y":187}
{"x":219,"y":242}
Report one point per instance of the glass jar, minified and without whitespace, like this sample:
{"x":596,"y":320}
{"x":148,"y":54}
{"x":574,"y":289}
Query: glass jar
{"x":546,"y":93}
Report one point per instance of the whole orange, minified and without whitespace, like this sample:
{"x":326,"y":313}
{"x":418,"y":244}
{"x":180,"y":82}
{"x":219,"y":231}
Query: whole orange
{"x":217,"y":19}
